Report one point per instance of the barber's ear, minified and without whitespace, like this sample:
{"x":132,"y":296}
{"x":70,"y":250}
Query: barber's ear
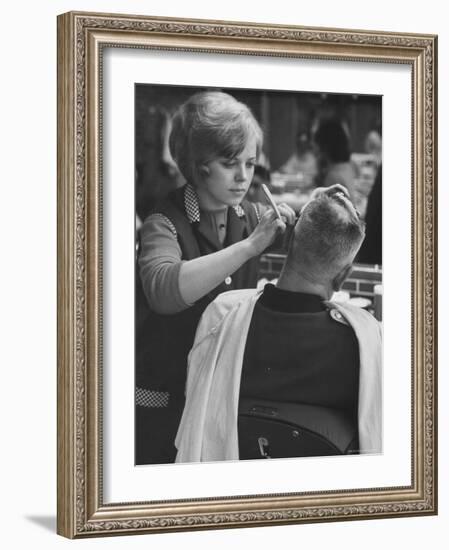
{"x":341,"y":277}
{"x":204,"y":170}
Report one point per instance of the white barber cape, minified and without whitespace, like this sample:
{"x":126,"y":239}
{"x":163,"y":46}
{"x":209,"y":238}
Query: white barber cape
{"x":208,"y":428}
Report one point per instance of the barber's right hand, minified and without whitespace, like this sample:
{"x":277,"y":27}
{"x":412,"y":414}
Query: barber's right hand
{"x":266,"y":231}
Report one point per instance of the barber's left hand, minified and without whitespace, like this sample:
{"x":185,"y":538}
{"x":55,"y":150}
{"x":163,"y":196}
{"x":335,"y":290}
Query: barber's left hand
{"x":287,"y":213}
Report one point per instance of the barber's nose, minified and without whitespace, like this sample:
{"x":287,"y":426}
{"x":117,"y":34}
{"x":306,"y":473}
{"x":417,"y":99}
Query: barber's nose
{"x":241,"y":173}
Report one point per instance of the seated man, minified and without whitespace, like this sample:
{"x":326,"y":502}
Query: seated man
{"x":288,"y":343}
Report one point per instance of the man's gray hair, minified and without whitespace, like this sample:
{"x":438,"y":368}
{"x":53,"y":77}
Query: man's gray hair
{"x":327,"y":235}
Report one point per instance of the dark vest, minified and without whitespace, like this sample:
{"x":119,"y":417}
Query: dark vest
{"x":164,"y":341}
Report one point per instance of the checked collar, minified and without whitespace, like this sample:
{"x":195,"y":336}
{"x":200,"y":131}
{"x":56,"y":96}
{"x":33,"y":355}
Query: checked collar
{"x":192,"y":206}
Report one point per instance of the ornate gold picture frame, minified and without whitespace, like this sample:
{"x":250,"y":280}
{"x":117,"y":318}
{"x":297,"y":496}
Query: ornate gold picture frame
{"x":82,"y":509}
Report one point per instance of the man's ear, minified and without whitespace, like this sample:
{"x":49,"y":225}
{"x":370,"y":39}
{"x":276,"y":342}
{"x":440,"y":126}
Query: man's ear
{"x":339,"y":279}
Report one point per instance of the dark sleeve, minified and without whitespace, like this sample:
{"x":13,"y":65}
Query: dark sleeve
{"x":371,"y":250}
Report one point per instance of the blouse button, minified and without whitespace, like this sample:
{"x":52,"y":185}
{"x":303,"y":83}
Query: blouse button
{"x":228,"y":280}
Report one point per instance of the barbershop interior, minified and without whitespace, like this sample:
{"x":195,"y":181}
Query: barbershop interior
{"x":310,"y":140}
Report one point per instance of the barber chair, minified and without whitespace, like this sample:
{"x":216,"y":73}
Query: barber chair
{"x":270,"y":429}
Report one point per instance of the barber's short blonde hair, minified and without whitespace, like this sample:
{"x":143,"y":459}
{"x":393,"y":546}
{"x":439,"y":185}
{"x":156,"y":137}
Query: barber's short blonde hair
{"x":211,"y":125}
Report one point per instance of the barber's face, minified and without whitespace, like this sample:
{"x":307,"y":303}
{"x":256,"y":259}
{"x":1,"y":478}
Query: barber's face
{"x":225,"y":181}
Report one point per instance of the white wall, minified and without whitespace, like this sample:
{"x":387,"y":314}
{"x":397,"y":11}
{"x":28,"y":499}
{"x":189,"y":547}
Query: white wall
{"x":28,"y":271}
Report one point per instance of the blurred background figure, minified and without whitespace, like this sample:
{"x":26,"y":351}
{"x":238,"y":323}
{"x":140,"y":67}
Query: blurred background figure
{"x":156,"y":172}
{"x":303,"y":161}
{"x":371,"y":251}
{"x":332,"y":143}
{"x":373,"y":145}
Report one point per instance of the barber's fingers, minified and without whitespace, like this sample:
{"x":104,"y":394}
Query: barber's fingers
{"x":287,"y":213}
{"x":270,"y":217}
{"x":266,"y":231}
{"x":270,"y":221}
{"x":337,"y":188}
{"x":281,"y":225}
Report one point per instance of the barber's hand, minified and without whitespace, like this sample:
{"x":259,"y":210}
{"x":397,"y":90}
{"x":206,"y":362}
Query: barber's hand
{"x":266,"y":231}
{"x":287,"y":213}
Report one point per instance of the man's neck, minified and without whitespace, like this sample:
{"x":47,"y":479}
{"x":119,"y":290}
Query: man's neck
{"x":297,"y":282}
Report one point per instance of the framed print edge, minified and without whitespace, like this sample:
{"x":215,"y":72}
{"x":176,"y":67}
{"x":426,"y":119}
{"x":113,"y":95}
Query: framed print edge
{"x":81,"y":38}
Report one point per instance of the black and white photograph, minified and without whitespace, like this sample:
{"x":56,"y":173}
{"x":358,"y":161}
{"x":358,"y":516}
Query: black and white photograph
{"x":258,"y":274}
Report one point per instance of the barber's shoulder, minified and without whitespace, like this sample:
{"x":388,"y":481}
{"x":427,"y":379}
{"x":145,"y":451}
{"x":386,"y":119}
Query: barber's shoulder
{"x":156,"y":222}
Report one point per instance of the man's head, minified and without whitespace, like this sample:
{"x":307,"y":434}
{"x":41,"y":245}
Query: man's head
{"x":326,"y":238}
